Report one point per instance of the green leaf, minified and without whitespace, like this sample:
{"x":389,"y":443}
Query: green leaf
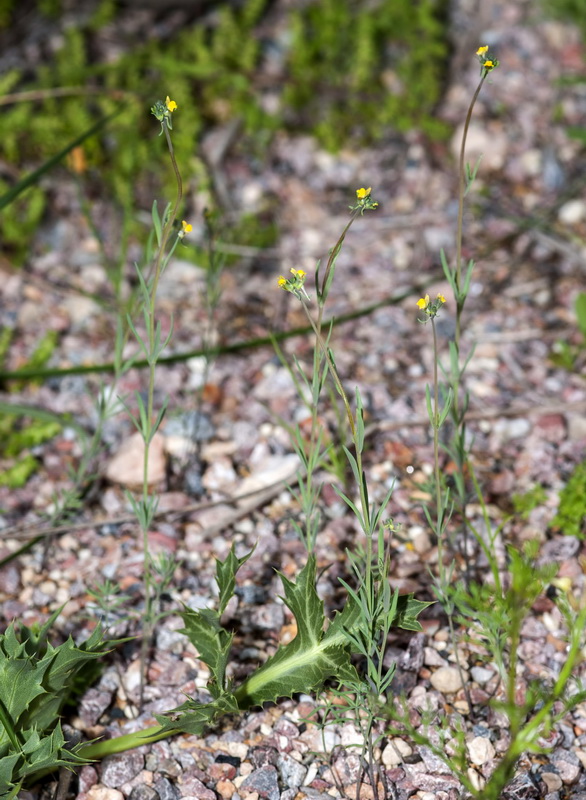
{"x":310,"y":659}
{"x":408,"y":609}
{"x":156,"y":222}
{"x":226,"y":575}
{"x":211,"y":640}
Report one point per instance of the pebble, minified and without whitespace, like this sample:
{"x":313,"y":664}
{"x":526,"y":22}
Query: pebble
{"x":121,"y":768}
{"x":126,"y":467}
{"x":567,"y":765}
{"x":572,"y":212}
{"x":191,"y":786}
{"x":480,"y":750}
{"x":166,"y":790}
{"x":481,"y":675}
{"x":395,"y":752}
{"x":447,"y":679}
{"x":103,"y":793}
{"x":292,"y":772}
{"x":143,"y":793}
{"x":264,"y":782}
{"x":551,"y":779}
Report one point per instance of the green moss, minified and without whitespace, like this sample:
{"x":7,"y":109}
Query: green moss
{"x":354,"y":73}
{"x":358,"y":71}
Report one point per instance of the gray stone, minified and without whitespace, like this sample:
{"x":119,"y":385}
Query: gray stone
{"x":292,"y":772}
{"x":264,"y":781}
{"x":567,"y":765}
{"x":144,"y":793}
{"x":166,"y":790}
{"x":119,"y":769}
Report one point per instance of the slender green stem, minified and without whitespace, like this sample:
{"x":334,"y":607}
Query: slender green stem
{"x":461,"y":194}
{"x":153,"y":346}
{"x":435,"y":425}
{"x":460,"y":299}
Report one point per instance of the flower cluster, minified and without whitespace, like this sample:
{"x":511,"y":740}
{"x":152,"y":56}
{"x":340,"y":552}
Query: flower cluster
{"x":364,"y":201}
{"x":487,"y":63}
{"x":295,"y":283}
{"x":430,"y":308}
{"x":162,"y":111}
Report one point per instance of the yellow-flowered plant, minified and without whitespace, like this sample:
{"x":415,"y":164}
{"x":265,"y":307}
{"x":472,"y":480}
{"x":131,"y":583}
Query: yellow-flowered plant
{"x":295,"y":283}
{"x":185,"y":229}
{"x":430,"y":308}
{"x":487,"y":64}
{"x":162,"y":111}
{"x":364,"y":201}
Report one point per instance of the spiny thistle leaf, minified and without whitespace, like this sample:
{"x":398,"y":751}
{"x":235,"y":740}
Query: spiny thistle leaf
{"x":311,"y":658}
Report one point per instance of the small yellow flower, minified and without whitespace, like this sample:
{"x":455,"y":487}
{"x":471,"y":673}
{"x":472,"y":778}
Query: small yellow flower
{"x":423,"y":302}
{"x":185,"y":229}
{"x":294,"y":284}
{"x":441,"y":298}
{"x":487,"y":61}
{"x":563,"y":584}
{"x":362,"y":194}
{"x":171,"y":104}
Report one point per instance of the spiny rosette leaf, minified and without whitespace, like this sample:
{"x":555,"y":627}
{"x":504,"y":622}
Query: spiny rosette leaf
{"x":311,"y":658}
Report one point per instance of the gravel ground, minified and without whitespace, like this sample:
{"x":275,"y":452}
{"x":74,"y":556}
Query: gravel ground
{"x":526,"y":227}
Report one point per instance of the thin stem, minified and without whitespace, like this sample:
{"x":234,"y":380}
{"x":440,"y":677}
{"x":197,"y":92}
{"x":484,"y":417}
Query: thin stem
{"x":160,"y":263}
{"x":461,"y":194}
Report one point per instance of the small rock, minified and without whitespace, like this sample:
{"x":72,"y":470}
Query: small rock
{"x":166,"y":790}
{"x":264,"y":782}
{"x":92,"y":706}
{"x":103,"y":793}
{"x":270,"y":617}
{"x":567,"y":765}
{"x":225,"y":789}
{"x":9,"y":576}
{"x":126,"y":467}
{"x":572,"y":212}
{"x":292,"y":772}
{"x":507,"y":429}
{"x":551,"y":779}
{"x":447,"y":679}
{"x":395,"y":753}
{"x":119,"y":769}
{"x":480,"y":750}
{"x":433,"y":763}
{"x":143,"y":793}
{"x":432,"y":658}
{"x":193,"y":787}
{"x":481,"y":675}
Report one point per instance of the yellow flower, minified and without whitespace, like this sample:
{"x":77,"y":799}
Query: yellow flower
{"x":482,"y":50}
{"x":299,"y":273}
{"x":282,"y":281}
{"x":361,"y":194}
{"x":488,"y":65}
{"x":563,"y":584}
{"x":423,"y":302}
{"x":171,"y":104}
{"x":187,"y":228}
{"x":441,"y":298}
